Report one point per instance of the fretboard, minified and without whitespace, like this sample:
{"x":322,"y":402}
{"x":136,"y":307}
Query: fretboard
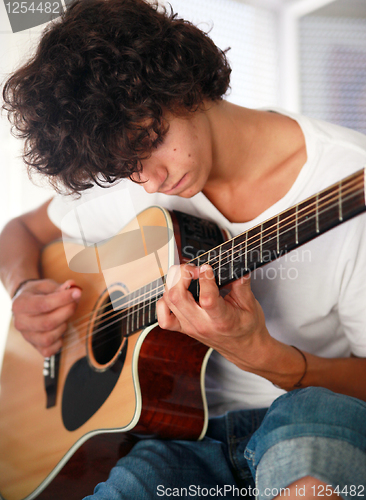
{"x":286,"y":231}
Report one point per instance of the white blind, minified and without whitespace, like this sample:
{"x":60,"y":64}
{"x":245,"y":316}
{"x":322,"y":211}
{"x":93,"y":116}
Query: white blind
{"x":333,"y":70}
{"x":251,"y":33}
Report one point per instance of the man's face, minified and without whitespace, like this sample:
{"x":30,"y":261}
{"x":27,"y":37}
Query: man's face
{"x":181,"y":164}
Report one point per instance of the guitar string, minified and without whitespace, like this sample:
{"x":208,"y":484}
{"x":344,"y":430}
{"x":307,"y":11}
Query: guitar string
{"x":133,"y":311}
{"x":150,"y":292}
{"x":120,"y":316}
{"x":249,"y":242}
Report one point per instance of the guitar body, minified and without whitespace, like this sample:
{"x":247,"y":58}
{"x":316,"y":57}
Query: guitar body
{"x":110,"y":386}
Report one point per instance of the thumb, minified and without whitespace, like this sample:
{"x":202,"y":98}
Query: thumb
{"x":70,"y":285}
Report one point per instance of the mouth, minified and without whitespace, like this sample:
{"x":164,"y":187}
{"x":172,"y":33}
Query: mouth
{"x":175,"y":187}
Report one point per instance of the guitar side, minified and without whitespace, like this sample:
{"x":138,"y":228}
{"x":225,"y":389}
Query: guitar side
{"x":39,"y":456}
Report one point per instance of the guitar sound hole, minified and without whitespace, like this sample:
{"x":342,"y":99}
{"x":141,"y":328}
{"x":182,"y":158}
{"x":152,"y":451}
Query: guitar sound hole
{"x":107,"y":332}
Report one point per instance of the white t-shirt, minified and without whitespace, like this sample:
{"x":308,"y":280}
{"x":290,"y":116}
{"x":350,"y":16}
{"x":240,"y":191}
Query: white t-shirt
{"x":313,"y":297}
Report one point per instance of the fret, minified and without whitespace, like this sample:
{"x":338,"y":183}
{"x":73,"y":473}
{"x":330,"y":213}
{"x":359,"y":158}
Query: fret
{"x":159,"y":285}
{"x":232,"y":259}
{"x":133,"y":312}
{"x":254,"y":250}
{"x":137,"y":310}
{"x":317,"y":213}
{"x":340,"y":213}
{"x":149,"y":300}
{"x":219,"y":270}
{"x":278,"y":236}
{"x":144,"y":306}
{"x":328,"y":209}
{"x":128,"y":327}
{"x":306,"y":222}
{"x":197,"y":281}
{"x":157,"y":294}
{"x":212,"y":257}
{"x":261,"y":243}
{"x":353,"y":196}
{"x":296,"y":225}
{"x":241,"y":252}
{"x":208,"y":261}
{"x":198,"y":260}
{"x":246,"y":250}
{"x":123,"y":322}
{"x":269,"y":240}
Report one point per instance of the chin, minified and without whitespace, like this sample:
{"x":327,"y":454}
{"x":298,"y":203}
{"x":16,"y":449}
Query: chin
{"x":188,"y":192}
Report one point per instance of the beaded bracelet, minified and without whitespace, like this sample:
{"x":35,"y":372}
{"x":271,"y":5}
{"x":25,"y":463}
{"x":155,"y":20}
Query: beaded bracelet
{"x":298,"y":384}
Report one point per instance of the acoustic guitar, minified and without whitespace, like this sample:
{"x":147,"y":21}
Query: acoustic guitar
{"x":65,"y":420}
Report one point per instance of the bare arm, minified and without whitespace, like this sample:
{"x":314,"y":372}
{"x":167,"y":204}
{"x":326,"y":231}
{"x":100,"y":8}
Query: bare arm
{"x":41,"y":308}
{"x":20,"y":244}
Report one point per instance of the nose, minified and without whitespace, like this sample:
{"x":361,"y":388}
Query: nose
{"x":153,"y":177}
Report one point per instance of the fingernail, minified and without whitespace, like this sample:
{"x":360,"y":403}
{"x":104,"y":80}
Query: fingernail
{"x":76,"y":294}
{"x":204,"y":268}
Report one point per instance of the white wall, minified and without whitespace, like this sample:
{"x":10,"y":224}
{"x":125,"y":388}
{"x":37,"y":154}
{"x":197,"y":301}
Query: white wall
{"x":17,"y":193}
{"x":250,"y":31}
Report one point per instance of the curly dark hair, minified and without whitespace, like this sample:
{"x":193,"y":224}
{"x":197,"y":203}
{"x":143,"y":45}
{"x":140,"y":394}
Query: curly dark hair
{"x":90,"y":104}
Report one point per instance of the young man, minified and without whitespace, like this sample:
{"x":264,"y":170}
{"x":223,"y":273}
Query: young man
{"x":120,"y":89}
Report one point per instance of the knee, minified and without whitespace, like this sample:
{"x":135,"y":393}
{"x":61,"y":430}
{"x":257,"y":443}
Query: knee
{"x":317,"y":405}
{"x":312,"y":412}
{"x":308,"y":487}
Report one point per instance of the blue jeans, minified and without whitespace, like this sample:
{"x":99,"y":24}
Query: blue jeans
{"x":253,"y":453}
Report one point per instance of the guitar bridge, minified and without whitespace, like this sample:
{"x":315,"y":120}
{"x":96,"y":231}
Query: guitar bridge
{"x":50,"y":373}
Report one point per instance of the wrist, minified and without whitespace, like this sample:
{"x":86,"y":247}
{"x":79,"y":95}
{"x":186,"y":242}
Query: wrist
{"x":20,"y":286}
{"x":284,"y":365}
{"x":256,"y":353}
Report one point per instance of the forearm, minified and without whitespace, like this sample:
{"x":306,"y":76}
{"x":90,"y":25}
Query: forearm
{"x":19,"y":255}
{"x":284,"y":366}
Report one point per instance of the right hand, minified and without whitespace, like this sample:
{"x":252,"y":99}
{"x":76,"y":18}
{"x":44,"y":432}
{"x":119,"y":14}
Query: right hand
{"x":41,"y":310}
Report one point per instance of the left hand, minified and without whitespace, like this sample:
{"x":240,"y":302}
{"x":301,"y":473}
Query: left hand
{"x":234,"y":325}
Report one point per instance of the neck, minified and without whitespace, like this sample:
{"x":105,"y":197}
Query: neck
{"x":234,"y":130}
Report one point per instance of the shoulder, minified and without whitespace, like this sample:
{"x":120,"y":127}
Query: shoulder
{"x":100,"y":213}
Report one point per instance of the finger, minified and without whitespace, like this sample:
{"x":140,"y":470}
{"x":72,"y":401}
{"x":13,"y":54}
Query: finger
{"x":47,"y":352}
{"x":178,"y":294}
{"x":180,"y":301}
{"x":45,"y":322}
{"x":47,"y":343}
{"x":173,"y":276}
{"x":166,"y":319}
{"x":209,"y":298}
{"x":67,"y":285}
{"x":39,"y":303}
{"x":45,"y":286}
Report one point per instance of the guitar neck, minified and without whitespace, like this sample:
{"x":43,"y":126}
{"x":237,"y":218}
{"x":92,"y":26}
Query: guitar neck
{"x":261,"y":244}
{"x":286,"y":231}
